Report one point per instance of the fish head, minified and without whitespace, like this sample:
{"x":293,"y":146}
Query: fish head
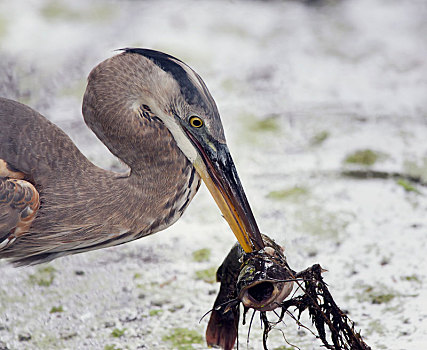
{"x":265,"y":280}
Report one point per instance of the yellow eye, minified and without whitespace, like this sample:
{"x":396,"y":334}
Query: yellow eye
{"x":196,"y":122}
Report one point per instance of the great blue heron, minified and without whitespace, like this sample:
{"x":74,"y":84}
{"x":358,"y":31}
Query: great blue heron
{"x":154,"y":113}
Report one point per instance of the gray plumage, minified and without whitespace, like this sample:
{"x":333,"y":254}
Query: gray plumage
{"x":127,"y":103}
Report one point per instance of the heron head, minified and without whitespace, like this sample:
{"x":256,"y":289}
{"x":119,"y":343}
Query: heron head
{"x":177,"y":95}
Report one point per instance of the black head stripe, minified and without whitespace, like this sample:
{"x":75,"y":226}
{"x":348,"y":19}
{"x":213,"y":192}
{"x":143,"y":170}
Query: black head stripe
{"x":168,"y":63}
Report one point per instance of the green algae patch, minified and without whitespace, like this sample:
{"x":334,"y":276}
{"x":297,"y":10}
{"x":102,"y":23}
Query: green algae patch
{"x":3,"y":26}
{"x":319,"y":138}
{"x":268,"y":124}
{"x":316,"y":221}
{"x":111,"y":347}
{"x":382,"y":298}
{"x":76,"y":90}
{"x":43,"y":277}
{"x":288,"y":193}
{"x":379,"y":294}
{"x":59,"y":10}
{"x":407,"y":186}
{"x":56,"y":309}
{"x":255,"y":124}
{"x":364,"y":157}
{"x":375,"y":326}
{"x":48,"y":342}
{"x":260,"y":131}
{"x":201,"y":255}
{"x":207,"y":275}
{"x":229,"y":85}
{"x":117,"y":333}
{"x":183,"y":338}
{"x":411,"y":278}
{"x":155,"y":312}
{"x":233,"y":29}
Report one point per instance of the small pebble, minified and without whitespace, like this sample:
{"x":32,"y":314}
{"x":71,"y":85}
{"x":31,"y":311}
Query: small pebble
{"x":129,"y":318}
{"x":109,"y":324}
{"x":176,"y":307}
{"x":312,"y":253}
{"x":24,"y":336}
{"x":67,"y":336}
{"x":159,"y":302}
{"x":79,"y":272}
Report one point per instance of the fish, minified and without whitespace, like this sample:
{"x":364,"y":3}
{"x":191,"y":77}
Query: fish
{"x":259,"y":280}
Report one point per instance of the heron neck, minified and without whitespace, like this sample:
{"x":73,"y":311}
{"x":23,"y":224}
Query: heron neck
{"x":162,"y":181}
{"x":160,"y":172}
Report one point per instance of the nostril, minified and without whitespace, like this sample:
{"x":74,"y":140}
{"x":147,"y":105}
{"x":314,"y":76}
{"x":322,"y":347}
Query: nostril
{"x":261,"y":291}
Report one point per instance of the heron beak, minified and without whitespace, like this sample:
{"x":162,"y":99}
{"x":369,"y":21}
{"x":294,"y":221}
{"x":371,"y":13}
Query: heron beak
{"x":217,"y":170}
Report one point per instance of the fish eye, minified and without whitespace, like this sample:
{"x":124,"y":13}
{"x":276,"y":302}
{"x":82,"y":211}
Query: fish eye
{"x":196,"y":122}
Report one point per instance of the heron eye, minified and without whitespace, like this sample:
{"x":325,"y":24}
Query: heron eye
{"x":196,"y":122}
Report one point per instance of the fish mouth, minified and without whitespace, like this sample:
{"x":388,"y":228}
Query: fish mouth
{"x":265,"y":280}
{"x":265,"y":295}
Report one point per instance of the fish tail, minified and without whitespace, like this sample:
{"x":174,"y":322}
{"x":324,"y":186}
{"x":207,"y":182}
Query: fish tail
{"x":222,"y":328}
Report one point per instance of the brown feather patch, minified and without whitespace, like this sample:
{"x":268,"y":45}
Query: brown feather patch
{"x":6,"y":170}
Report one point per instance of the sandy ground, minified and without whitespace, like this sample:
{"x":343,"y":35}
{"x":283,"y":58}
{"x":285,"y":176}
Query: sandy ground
{"x":300,"y":89}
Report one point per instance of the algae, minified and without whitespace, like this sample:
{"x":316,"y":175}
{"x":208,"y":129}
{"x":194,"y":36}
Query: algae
{"x":268,"y":124}
{"x":207,"y":275}
{"x":44,"y":276}
{"x":378,"y":294}
{"x":319,"y":138}
{"x":375,"y":326}
{"x":155,"y":312}
{"x":364,"y":157}
{"x":3,"y":26}
{"x":183,"y":338}
{"x":58,"y":10}
{"x":111,"y":347}
{"x":201,"y":255}
{"x":288,"y":193}
{"x":317,"y":221}
{"x":137,"y":275}
{"x":411,"y":278}
{"x":407,"y":186}
{"x":117,"y":333}
{"x":41,"y":340}
{"x":77,"y":90}
{"x":55,"y":309}
{"x":260,"y":131}
{"x":228,"y":85}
